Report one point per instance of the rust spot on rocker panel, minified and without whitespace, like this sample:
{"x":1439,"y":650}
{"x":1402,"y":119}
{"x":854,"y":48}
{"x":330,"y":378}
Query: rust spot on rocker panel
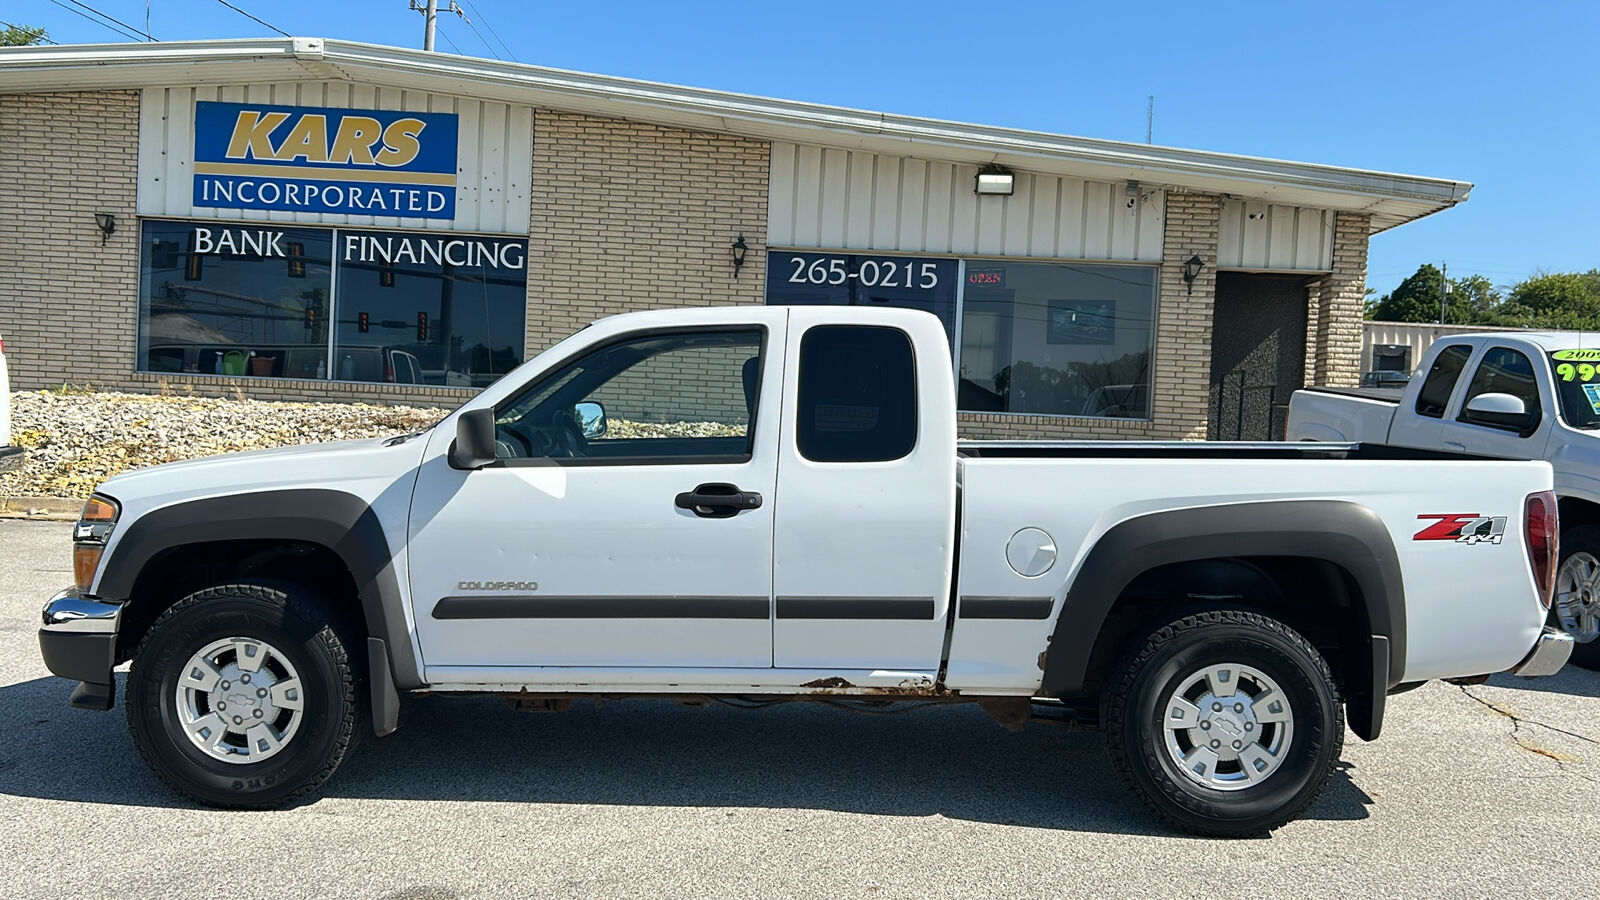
{"x":834,"y":682}
{"x":1043,"y":654}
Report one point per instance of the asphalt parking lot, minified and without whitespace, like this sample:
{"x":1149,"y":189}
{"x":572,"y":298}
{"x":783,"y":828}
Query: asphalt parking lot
{"x":1480,"y":791}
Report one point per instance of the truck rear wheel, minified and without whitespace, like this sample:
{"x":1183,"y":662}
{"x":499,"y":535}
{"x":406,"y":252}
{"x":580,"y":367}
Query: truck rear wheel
{"x":1225,"y":722}
{"x":1577,"y":603}
{"x":244,"y":696}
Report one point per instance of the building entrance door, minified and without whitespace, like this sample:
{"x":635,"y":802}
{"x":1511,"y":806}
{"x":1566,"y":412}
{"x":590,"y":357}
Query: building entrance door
{"x":1258,"y":355}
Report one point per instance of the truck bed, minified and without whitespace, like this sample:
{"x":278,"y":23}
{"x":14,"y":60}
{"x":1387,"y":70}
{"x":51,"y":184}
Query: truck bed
{"x":1383,"y":394}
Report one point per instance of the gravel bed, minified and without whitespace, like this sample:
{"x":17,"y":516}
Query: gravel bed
{"x":75,"y":441}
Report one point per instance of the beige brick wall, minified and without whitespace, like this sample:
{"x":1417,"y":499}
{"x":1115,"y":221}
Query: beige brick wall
{"x":67,"y":304}
{"x":629,"y":216}
{"x":1333,"y":345}
{"x":1182,"y":365}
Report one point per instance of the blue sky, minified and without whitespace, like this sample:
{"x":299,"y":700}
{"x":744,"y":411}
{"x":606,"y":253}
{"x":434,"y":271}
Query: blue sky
{"x":1504,"y":96}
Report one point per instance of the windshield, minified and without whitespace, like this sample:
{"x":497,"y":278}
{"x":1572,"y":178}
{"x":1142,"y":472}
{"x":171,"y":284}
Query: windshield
{"x":1577,"y":377}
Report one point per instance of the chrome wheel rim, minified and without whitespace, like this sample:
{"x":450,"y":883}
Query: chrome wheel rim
{"x":1228,"y":727}
{"x":240,"y":700}
{"x":1578,"y":597}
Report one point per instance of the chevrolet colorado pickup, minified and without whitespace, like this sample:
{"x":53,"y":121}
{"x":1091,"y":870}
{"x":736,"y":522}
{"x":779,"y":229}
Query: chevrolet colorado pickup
{"x":772,"y":503}
{"x":1529,"y":395}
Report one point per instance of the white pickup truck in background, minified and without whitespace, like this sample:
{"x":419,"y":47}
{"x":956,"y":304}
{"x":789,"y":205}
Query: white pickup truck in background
{"x":1517,"y":395}
{"x":759,"y":504}
{"x":9,"y":455}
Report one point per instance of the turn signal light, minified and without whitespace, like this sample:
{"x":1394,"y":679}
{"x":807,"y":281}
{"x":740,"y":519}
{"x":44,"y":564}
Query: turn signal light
{"x":1542,"y":529}
{"x":89,"y":539}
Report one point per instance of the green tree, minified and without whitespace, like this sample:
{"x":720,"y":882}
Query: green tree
{"x":1471,"y":301}
{"x":1565,"y":300}
{"x":21,"y":36}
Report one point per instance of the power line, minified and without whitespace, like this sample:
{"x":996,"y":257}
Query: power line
{"x":480,"y":36}
{"x":75,"y":12}
{"x":253,"y":18}
{"x":42,"y":39}
{"x":487,"y":24}
{"x":102,"y":15}
{"x":447,"y":40}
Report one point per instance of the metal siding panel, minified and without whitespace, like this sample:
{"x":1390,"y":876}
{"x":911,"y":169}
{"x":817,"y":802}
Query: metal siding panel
{"x":491,"y":167}
{"x":937,"y":214}
{"x":150,"y":198}
{"x":963,"y":210}
{"x":1042,"y":215}
{"x":180,"y":154}
{"x":519,"y":169}
{"x":990,"y":234}
{"x":1069,"y":226}
{"x":1281,"y":237}
{"x":835,"y":189}
{"x":1308,"y":239}
{"x":1230,"y":234}
{"x":911,"y":234}
{"x":1124,"y":224}
{"x":1096,"y":220}
{"x":886,"y":203}
{"x":1018,"y":227}
{"x":1325,"y":258}
{"x":1152,"y":226}
{"x":780,"y":195}
{"x":860,"y":186}
{"x":1253,"y":253}
{"x":808,"y":197}
{"x":469,"y":190}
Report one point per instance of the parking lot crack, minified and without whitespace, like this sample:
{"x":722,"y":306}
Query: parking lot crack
{"x":1563,"y":760}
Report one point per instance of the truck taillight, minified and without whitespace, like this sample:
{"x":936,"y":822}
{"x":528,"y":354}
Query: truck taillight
{"x":1541,"y":527}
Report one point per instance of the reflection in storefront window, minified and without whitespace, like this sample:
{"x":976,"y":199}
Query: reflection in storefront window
{"x":429,"y":308}
{"x":221,"y":299}
{"x":1064,"y":339}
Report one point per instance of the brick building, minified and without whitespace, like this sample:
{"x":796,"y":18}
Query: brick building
{"x":315,"y":219}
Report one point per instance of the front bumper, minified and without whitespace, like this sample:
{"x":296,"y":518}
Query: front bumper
{"x":1547,"y":656}
{"x":79,"y":641}
{"x":10,"y":458}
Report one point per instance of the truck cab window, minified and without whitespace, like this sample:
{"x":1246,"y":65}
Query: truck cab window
{"x":1504,"y":371}
{"x":857,"y":394}
{"x":674,"y":397}
{"x":1441,"y":380}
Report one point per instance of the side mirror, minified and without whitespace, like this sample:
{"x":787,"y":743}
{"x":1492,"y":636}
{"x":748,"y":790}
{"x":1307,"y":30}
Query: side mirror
{"x":474,"y":444}
{"x":591,"y":418}
{"x":1500,"y":411}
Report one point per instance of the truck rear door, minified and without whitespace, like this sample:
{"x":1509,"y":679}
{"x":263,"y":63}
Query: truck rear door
{"x":865,"y":518}
{"x":1421,"y":414}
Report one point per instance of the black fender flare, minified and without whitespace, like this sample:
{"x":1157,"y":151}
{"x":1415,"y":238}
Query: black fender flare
{"x":1343,"y":533}
{"x":343,"y":523}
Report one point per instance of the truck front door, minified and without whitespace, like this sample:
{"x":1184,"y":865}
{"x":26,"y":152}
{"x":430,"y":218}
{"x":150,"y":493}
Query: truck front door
{"x":627,"y":520}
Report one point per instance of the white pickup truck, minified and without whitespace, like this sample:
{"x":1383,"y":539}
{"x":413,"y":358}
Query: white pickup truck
{"x":768,"y":503}
{"x":1529,"y":395}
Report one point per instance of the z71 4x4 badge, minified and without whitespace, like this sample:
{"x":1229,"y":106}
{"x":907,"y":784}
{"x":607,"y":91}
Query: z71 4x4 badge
{"x":1463,"y":528}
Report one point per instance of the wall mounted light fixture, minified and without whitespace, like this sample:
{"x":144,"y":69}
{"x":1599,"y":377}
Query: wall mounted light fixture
{"x":107,"y":224}
{"x":994,"y":179}
{"x":740,"y":248}
{"x":1191,"y":271}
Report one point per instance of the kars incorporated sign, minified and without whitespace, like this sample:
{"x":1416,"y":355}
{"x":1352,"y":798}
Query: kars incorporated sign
{"x":312,"y":159}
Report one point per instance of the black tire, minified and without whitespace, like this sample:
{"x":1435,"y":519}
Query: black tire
{"x":1579,"y":539}
{"x":1133,"y":706}
{"x":299,"y":627}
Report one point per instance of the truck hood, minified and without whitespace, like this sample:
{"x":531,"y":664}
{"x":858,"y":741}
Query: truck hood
{"x":357,"y":467}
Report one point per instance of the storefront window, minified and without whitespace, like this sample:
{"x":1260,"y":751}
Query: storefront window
{"x":845,"y":279}
{"x":429,"y":309}
{"x":1062,"y":339}
{"x":221,"y":299}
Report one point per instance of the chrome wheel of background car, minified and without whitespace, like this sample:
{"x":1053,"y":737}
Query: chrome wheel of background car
{"x":240,"y":700}
{"x":1578,"y":596}
{"x":1228,"y":727}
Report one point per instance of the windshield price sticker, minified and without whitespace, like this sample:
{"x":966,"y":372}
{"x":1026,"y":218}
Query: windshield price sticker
{"x":1590,"y":355}
{"x":1591,"y":392}
{"x":1581,"y":371}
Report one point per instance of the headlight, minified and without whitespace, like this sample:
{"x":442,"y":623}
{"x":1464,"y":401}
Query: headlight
{"x":89,"y":538}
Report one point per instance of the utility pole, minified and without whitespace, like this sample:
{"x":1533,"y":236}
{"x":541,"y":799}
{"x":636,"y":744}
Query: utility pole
{"x":1444,"y":288}
{"x":1150,"y":119}
{"x":430,"y":15}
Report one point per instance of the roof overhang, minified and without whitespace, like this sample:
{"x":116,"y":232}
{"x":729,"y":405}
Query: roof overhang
{"x":1389,"y":198}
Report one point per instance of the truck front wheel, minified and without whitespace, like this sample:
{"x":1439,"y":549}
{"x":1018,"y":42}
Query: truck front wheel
{"x":1225,"y":722}
{"x":244,"y":696}
{"x":1577,"y":603}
